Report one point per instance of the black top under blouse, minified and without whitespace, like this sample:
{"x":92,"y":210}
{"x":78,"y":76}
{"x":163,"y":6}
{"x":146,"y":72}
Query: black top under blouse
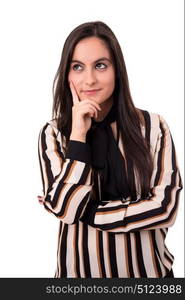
{"x":102,"y":152}
{"x":107,"y":159}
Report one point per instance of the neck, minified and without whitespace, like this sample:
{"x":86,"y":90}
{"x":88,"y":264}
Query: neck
{"x":106,"y":107}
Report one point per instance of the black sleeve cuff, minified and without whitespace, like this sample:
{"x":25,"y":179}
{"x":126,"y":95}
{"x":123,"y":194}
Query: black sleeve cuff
{"x":78,"y":151}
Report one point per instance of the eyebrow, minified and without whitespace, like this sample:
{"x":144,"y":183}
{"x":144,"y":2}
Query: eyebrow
{"x":102,"y":58}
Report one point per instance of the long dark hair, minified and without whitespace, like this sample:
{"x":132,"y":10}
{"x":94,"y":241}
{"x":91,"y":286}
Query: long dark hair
{"x":129,"y":119}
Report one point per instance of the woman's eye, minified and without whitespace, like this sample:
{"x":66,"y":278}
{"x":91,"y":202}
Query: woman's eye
{"x":76,"y":67}
{"x":101,"y":66}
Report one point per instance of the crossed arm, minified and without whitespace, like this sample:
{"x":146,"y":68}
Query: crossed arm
{"x":67,"y":184}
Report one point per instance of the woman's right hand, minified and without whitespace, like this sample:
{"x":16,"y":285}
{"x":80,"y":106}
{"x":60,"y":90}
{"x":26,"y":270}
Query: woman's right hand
{"x":82,"y":112}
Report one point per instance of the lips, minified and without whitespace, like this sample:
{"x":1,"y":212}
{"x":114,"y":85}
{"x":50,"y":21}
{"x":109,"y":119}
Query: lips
{"x":91,"y":91}
{"x":95,"y":90}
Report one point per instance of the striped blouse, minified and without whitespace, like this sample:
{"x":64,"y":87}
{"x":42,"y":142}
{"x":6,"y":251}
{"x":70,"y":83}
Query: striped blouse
{"x":118,"y":238}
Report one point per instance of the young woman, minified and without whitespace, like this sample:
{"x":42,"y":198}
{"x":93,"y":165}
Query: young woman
{"x":109,"y":170}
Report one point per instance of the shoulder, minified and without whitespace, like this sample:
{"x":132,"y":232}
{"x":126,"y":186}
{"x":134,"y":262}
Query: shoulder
{"x":49,"y":126}
{"x":153,"y":120}
{"x":50,"y":130}
{"x":50,"y":133}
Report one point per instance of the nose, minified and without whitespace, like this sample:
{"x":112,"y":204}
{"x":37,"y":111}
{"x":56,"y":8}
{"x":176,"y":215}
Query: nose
{"x":90,"y":77}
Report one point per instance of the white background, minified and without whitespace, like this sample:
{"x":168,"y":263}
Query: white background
{"x":32,"y":35}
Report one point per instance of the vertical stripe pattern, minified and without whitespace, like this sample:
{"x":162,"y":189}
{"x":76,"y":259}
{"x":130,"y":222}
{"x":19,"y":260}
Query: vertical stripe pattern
{"x":115,"y":239}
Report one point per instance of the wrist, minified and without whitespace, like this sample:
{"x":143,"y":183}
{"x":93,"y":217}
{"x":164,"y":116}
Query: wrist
{"x":78,"y":137}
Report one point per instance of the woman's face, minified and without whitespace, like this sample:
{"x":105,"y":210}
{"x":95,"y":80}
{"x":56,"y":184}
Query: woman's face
{"x":92,"y":71}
